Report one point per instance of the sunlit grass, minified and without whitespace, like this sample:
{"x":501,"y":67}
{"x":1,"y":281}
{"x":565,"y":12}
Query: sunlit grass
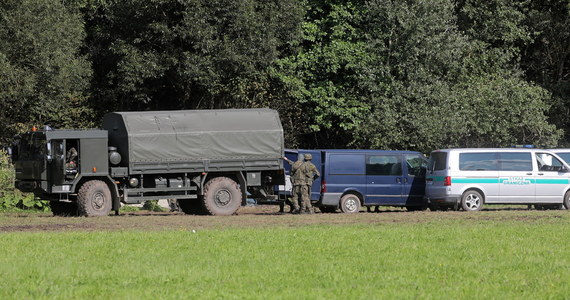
{"x":441,"y":258}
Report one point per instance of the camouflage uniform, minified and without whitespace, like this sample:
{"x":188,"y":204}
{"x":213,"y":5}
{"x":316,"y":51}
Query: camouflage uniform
{"x":296,"y":184}
{"x":70,"y":162}
{"x":307,"y":173}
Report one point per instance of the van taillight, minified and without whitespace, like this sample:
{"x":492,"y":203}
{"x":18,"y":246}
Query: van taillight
{"x":323,"y":187}
{"x":447,"y":180}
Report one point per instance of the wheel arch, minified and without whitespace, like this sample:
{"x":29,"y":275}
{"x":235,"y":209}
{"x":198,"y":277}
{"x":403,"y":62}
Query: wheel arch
{"x":116,"y":201}
{"x":355,"y":193}
{"x":473,"y":188}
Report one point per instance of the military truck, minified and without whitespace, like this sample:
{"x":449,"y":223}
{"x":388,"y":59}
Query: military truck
{"x":211,"y":161}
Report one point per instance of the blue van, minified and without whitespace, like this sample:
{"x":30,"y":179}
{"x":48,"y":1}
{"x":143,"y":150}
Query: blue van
{"x":351,"y":179}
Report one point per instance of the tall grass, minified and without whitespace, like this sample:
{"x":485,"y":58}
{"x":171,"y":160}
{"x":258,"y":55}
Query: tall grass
{"x":439,"y":259}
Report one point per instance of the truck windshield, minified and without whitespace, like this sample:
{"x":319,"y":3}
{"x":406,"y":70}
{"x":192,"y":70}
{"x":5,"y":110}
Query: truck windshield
{"x":32,"y":147}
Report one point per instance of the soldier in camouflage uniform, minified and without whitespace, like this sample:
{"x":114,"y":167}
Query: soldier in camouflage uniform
{"x":296,"y":184}
{"x":307,"y":173}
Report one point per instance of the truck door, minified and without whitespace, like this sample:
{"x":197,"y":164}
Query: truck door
{"x":56,"y":163}
{"x":384,"y":180}
{"x":414,"y":179}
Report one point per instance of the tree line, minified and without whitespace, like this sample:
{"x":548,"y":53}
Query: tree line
{"x":382,"y":74}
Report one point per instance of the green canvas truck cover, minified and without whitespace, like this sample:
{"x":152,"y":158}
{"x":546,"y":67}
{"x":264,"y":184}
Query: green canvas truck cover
{"x":195,"y":135}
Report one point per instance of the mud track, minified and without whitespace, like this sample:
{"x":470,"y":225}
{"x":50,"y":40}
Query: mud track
{"x":260,"y":217}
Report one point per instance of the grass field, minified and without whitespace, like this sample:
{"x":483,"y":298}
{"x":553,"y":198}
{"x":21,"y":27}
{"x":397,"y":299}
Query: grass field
{"x":441,"y":255}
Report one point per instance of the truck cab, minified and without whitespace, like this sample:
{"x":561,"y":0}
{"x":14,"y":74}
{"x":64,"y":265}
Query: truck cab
{"x":54,"y":164}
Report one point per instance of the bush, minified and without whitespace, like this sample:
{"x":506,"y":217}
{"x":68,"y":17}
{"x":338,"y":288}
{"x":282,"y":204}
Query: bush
{"x":6,"y":174}
{"x":152,"y":205}
{"x":12,"y":199}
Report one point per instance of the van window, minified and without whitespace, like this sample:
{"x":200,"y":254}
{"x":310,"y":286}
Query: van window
{"x":516,"y":161}
{"x":547,"y":162}
{"x":346,"y":164}
{"x":387,"y":165}
{"x":437,"y":161}
{"x":480,"y":161}
{"x":416,"y":165}
{"x":565,"y":156}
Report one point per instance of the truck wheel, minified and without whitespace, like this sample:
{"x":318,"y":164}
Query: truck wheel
{"x":222,"y":196}
{"x":94,"y":199}
{"x":191,"y":207}
{"x":471,"y":201}
{"x":63,"y":209}
{"x":349,"y":203}
{"x":566,"y":202}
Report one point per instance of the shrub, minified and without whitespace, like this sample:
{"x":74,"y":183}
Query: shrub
{"x":152,"y":205}
{"x":10,"y":198}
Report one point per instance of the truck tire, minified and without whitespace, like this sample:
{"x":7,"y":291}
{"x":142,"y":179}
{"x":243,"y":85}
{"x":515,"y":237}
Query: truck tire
{"x":349,"y":204}
{"x":63,"y":209}
{"x":222,"y":196}
{"x":471,"y":201}
{"x":191,"y":207}
{"x":94,"y":199}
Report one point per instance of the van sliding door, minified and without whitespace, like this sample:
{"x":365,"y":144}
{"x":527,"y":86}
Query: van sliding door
{"x":384,"y":180}
{"x":516,"y":177}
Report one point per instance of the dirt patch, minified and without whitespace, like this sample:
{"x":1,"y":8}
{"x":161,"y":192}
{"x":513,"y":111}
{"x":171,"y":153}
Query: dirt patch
{"x":260,"y":217}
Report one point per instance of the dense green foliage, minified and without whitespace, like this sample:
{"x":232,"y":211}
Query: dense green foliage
{"x":43,"y":76}
{"x":14,"y":200}
{"x":463,"y":258}
{"x":385,"y":74}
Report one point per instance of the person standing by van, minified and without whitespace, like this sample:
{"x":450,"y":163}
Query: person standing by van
{"x":307,"y":173}
{"x":296,"y":184}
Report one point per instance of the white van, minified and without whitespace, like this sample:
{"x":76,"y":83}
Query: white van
{"x":469,"y":178}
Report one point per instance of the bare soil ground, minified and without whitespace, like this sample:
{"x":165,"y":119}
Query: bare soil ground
{"x":259,"y":217}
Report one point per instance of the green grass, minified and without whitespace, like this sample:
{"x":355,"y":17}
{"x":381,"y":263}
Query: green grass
{"x":460,"y":258}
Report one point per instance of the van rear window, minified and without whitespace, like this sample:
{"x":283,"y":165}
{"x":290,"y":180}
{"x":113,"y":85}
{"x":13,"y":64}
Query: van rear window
{"x":437,"y":161}
{"x":480,"y":161}
{"x":346,"y":164}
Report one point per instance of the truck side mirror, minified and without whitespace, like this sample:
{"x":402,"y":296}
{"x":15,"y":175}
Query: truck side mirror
{"x":49,"y":155}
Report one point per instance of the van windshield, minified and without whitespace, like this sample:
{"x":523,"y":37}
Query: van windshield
{"x":437,"y":161}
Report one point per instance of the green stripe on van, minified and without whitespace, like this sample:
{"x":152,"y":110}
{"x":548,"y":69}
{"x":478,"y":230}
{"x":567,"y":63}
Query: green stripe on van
{"x":474,"y":180}
{"x":523,"y":180}
{"x":437,"y":178}
{"x":551,"y":181}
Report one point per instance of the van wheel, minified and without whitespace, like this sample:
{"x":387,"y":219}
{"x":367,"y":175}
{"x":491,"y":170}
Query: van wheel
{"x":349,"y":204}
{"x":222,"y":196}
{"x":94,"y":199}
{"x":566,"y":202}
{"x":471,"y":201}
